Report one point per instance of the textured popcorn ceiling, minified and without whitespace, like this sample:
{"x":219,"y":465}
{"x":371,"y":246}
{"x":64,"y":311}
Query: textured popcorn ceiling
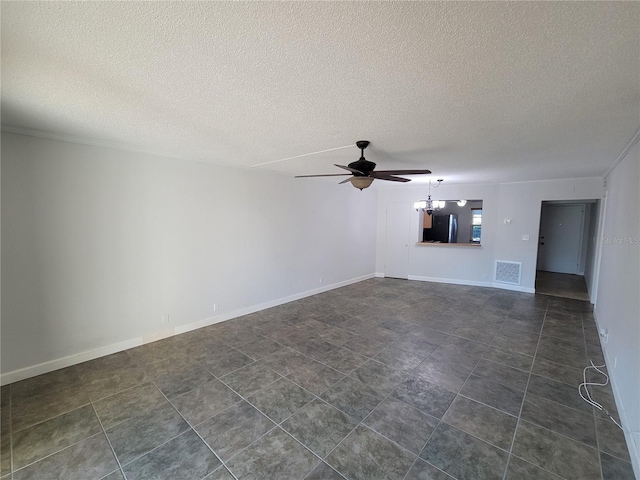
{"x":475,"y":91}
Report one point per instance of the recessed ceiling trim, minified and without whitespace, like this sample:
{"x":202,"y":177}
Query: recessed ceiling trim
{"x":303,"y":155}
{"x":625,"y":151}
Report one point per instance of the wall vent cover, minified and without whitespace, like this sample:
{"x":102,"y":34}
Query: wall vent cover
{"x":508,"y":272}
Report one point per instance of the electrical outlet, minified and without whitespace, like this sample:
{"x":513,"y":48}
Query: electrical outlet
{"x":615,"y":362}
{"x":168,"y":318}
{"x":215,"y":307}
{"x":320,"y":280}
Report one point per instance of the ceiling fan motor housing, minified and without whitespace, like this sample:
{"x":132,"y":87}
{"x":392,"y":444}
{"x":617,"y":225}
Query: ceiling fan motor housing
{"x":362,"y":165}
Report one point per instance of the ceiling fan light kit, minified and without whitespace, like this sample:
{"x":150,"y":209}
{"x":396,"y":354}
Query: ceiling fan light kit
{"x":364,"y":173}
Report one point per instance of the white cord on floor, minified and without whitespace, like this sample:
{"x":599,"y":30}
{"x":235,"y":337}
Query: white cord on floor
{"x":586,"y":384}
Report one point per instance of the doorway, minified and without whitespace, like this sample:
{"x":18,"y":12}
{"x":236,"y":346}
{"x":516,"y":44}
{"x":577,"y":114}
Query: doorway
{"x":565,"y":249}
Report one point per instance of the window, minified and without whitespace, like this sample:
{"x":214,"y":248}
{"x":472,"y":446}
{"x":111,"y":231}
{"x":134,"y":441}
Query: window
{"x":476,"y":224}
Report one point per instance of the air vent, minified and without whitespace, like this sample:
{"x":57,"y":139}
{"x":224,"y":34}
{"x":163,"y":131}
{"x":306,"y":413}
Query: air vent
{"x":508,"y":272}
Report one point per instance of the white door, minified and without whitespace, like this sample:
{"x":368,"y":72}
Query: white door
{"x":560,"y":239}
{"x":396,"y":258}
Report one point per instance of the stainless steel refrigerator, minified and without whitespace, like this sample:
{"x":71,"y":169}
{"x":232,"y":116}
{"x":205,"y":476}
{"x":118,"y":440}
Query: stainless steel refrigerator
{"x":444,"y":229}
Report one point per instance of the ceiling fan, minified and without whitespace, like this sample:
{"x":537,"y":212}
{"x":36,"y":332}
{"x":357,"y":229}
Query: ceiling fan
{"x":364,"y":174}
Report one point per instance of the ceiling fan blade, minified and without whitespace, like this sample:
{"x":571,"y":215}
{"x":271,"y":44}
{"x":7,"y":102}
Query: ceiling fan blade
{"x":402,"y":172}
{"x":345,"y":181}
{"x":352,"y":170}
{"x":391,"y":178}
{"x":323,"y":175}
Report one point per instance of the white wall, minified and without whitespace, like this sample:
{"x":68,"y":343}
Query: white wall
{"x":99,"y":244}
{"x":591,"y":240}
{"x":520,"y":202}
{"x":618,"y":306}
{"x":471,"y":264}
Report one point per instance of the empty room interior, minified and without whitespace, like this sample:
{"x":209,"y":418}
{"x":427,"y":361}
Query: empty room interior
{"x":320,"y":240}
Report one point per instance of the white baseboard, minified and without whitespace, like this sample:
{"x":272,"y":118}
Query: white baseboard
{"x":514,"y":288}
{"x":633,"y":439}
{"x":50,"y":366}
{"x":473,"y":283}
{"x":453,"y":281}
{"x":379,"y":275}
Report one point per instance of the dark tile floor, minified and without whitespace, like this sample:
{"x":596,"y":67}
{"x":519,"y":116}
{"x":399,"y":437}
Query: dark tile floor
{"x":384,"y":379}
{"x":561,"y":285}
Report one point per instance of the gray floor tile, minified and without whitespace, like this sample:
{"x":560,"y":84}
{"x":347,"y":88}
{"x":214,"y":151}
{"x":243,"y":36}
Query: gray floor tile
{"x":259,"y":460}
{"x":418,"y":346}
{"x":46,"y":396}
{"x":5,"y":410}
{"x":323,"y":472}
{"x":128,"y":404}
{"x":319,"y":426}
{"x":449,"y":373}
{"x":225,"y":360}
{"x":520,"y":470}
{"x":611,"y":439}
{"x":117,"y":475}
{"x":42,"y":439}
{"x":407,"y":426}
{"x":558,"y":392}
{"x":316,"y":377}
{"x":482,"y":334}
{"x":205,"y":401}
{"x":285,"y":361}
{"x":615,"y":469}
{"x":314,"y":348}
{"x":557,"y":372}
{"x":561,"y":419}
{"x":425,"y":396}
{"x":159,"y":358}
{"x":259,"y":348}
{"x":364,"y":346}
{"x":182,"y":380}
{"x":562,"y":351}
{"x":343,"y":360}
{"x":198,"y":345}
{"x":183,"y":458}
{"x":549,"y":450}
{"x":108,"y":375}
{"x":512,"y":359}
{"x":234,"y":429}
{"x":486,"y":423}
{"x":517,"y":341}
{"x":499,"y":373}
{"x":250,"y":379}
{"x":139,"y":435}
{"x":463,"y":456}
{"x":421,"y":470}
{"x":379,"y":376}
{"x":366,"y":455}
{"x":353,"y":397}
{"x":336,"y":336}
{"x":91,"y":458}
{"x":5,"y":455}
{"x":406,"y":327}
{"x":399,"y":359}
{"x":220,"y":474}
{"x":281,"y":399}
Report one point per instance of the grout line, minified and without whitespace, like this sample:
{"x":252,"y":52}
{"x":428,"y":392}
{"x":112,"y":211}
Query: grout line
{"x":593,"y":410}
{"x":182,"y":433}
{"x":104,"y":432}
{"x":515,"y":432}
